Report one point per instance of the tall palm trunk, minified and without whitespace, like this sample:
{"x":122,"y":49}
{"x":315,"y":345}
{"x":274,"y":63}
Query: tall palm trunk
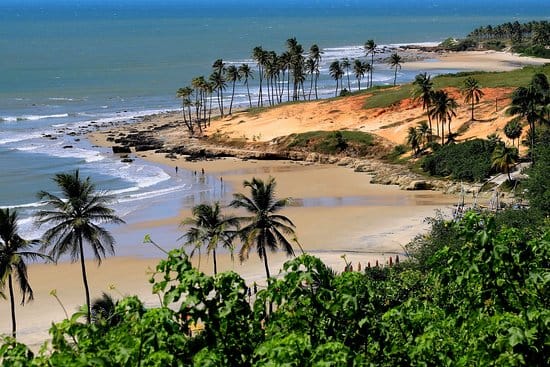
{"x":268,"y":276}
{"x":232,"y":95}
{"x":12,"y":304}
{"x":442,"y":132}
{"x":472,"y":109}
{"x":316,"y":79}
{"x":215,"y":262}
{"x":431,"y":131}
{"x":84,"y":280}
{"x":248,"y":92}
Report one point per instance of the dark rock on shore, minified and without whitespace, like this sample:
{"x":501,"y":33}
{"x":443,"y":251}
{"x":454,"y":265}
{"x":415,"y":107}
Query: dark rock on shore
{"x":121,"y":149}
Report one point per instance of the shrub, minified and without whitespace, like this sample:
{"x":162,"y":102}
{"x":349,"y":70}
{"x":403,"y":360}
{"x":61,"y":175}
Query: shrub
{"x":468,"y":161}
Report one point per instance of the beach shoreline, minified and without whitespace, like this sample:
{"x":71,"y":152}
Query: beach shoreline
{"x":362,"y":230}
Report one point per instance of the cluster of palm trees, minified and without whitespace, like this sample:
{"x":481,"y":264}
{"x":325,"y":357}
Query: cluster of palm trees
{"x":289,"y":69}
{"x":340,"y":68}
{"x":265,"y":229}
{"x":532,"y":104}
{"x":281,"y":78}
{"x":196,"y":99}
{"x":441,"y":107}
{"x":538,"y":32}
{"x":75,"y":218}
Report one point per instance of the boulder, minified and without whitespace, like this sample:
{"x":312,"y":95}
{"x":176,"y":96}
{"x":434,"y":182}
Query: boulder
{"x":121,"y":149}
{"x":419,"y":185}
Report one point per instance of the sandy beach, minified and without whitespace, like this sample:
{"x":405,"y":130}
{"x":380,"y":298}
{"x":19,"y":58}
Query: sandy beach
{"x":337,"y":211}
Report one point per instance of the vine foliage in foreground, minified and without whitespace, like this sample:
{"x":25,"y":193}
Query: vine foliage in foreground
{"x":483,"y":300}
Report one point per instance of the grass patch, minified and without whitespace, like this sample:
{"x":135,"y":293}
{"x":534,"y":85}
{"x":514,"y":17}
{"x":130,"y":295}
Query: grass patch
{"x":332,"y":142}
{"x":385,"y":97}
{"x":497,"y":79}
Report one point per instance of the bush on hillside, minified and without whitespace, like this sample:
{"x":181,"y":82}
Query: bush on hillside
{"x":468,"y":161}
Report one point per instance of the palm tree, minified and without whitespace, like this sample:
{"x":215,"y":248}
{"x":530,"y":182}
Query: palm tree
{"x":423,"y":91}
{"x":359,"y":69}
{"x":13,"y":252}
{"x":472,"y":93}
{"x":246,"y":73}
{"x":75,"y":217}
{"x":443,"y":109}
{"x":104,"y":310}
{"x":503,"y":158}
{"x":424,"y":132}
{"x":315,"y":53}
{"x":232,"y":75}
{"x":210,"y":228}
{"x":413,"y":139}
{"x":395,"y":63}
{"x":336,"y":72}
{"x":265,"y":229}
{"x":218,"y":83}
{"x":184,"y":93}
{"x":346,"y":64}
{"x":527,"y":104}
{"x":370,"y":48}
{"x":259,"y":55}
{"x":513,"y":130}
{"x":310,"y":69}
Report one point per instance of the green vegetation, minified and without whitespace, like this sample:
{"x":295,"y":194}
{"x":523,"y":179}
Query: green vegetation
{"x":469,"y":161}
{"x":531,"y":38}
{"x":538,"y":191}
{"x":387,"y":96}
{"x":498,"y":79}
{"x":354,"y":143}
{"x":473,"y":293}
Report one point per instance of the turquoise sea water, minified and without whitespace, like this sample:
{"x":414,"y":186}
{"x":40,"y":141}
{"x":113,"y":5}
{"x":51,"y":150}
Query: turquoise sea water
{"x":64,"y":64}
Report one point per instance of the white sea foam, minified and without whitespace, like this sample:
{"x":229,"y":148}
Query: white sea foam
{"x":14,"y":138}
{"x":41,"y":117}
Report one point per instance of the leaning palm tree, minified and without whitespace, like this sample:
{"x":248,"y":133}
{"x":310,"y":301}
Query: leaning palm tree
{"x":423,"y":91}
{"x":395,"y":63}
{"x":75,"y":217}
{"x":264,"y":229}
{"x":185,"y":93}
{"x":503,"y":158}
{"x":443,"y":109}
{"x":472,"y":93}
{"x":370,"y":48}
{"x":232,"y":75}
{"x":246,"y":73}
{"x":209,"y":228}
{"x":13,"y":252}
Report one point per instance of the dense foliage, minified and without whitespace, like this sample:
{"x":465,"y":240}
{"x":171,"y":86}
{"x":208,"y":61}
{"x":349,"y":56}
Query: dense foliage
{"x":480,"y":298}
{"x":468,"y":161}
{"x":538,"y":190}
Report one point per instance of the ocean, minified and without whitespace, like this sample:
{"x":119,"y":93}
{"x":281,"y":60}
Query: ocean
{"x":68,"y":66}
